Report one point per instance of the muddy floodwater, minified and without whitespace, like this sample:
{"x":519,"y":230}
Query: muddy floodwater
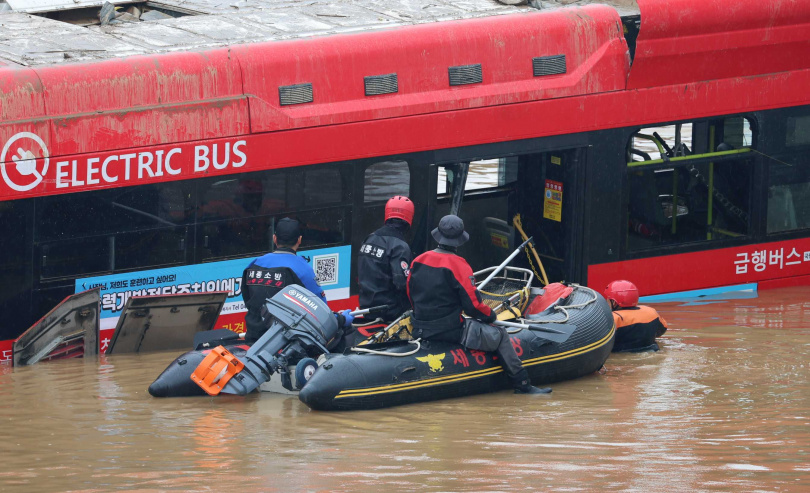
{"x":724,"y":406}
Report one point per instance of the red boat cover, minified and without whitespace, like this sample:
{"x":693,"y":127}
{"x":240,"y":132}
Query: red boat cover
{"x":551,"y":293}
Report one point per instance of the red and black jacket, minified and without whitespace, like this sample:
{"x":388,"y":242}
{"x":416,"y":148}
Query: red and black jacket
{"x":440,"y":286}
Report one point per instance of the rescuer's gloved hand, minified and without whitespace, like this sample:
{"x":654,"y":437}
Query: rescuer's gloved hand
{"x":345,"y":318}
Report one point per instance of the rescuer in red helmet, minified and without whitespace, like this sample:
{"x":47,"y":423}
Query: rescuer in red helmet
{"x":637,"y":326}
{"x":384,"y":261}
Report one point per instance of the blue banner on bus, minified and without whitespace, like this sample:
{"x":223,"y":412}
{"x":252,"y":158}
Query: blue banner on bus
{"x":331,"y":266}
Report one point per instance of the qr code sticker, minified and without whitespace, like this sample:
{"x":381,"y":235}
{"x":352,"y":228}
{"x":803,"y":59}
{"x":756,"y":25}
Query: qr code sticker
{"x":326,"y":269}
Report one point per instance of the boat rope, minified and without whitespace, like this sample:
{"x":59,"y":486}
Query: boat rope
{"x":388,"y":353}
{"x":563,"y":309}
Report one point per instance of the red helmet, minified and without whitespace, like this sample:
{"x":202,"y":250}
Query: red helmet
{"x":623,"y":293}
{"x":399,"y":207}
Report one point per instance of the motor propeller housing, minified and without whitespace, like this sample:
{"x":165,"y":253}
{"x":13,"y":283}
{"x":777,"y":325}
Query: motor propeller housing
{"x":299,"y":323}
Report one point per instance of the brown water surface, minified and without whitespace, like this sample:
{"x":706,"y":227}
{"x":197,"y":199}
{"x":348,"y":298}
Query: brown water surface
{"x":724,"y":406}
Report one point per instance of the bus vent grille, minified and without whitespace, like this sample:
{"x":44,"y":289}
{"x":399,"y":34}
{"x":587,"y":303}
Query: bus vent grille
{"x":295,"y":94}
{"x":381,"y":84}
{"x":548,"y":65}
{"x":466,"y":74}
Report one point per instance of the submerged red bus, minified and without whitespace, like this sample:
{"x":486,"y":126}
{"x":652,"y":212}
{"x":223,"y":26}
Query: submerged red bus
{"x":670,"y":147}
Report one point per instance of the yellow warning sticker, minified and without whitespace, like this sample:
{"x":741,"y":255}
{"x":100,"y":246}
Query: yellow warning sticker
{"x":552,"y":202}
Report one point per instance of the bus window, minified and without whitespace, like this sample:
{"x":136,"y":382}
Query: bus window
{"x":689,"y":182}
{"x":113,"y":210}
{"x":789,"y":193}
{"x":249,"y":195}
{"x":75,"y":257}
{"x":386,"y":179}
{"x":322,"y":186}
{"x":15,"y":263}
{"x":484,"y":206}
{"x":235,"y":213}
{"x":797,"y":131}
{"x":113,"y":230}
{"x":482,"y":174}
{"x":322,"y":227}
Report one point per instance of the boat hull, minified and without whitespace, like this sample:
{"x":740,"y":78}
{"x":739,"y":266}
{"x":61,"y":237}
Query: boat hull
{"x":440,"y":370}
{"x":175,"y":381}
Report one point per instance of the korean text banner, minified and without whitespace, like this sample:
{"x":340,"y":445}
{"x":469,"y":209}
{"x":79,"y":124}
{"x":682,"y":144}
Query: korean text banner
{"x":331,"y":266}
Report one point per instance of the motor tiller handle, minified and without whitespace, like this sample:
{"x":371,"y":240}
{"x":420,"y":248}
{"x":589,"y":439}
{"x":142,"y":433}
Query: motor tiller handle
{"x":373,"y":309}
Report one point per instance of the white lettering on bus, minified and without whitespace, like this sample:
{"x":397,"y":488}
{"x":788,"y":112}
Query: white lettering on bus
{"x":167,"y":163}
{"x":144,"y":163}
{"x":224,"y":163}
{"x":92,"y":171}
{"x":61,"y":174}
{"x":127,"y":158}
{"x":108,"y":178}
{"x":159,"y":162}
{"x":75,"y":182}
{"x":237,"y":152}
{"x":150,"y":164}
{"x":200,"y":154}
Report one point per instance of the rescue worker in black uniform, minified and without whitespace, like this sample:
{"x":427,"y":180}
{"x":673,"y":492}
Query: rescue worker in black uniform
{"x":441,"y":285}
{"x":270,"y":273}
{"x":384,"y":262}
{"x":637,"y":326}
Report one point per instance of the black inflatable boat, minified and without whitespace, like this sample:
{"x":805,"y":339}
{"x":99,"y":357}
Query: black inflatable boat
{"x":572,"y":338}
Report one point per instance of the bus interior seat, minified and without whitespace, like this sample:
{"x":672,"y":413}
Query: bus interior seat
{"x":500,"y":238}
{"x":781,"y":211}
{"x":645,"y":202}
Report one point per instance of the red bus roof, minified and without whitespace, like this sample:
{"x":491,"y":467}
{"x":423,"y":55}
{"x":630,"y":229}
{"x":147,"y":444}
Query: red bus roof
{"x":686,"y":66}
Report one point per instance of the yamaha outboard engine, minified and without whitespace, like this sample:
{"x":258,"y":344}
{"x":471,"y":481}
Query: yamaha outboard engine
{"x":298,"y":323}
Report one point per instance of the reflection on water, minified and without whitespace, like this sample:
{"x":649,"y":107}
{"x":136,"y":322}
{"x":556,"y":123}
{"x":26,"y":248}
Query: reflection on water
{"x":725,"y":405}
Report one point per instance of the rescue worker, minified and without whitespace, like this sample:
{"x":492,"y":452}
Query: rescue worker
{"x":441,"y":285}
{"x":637,"y":326}
{"x":270,"y":273}
{"x":384,"y":261}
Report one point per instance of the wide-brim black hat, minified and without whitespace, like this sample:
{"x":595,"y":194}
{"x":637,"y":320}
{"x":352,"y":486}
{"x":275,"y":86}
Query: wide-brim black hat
{"x":450,"y":231}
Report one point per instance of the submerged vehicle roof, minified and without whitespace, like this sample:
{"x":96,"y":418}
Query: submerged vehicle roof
{"x":46,"y":32}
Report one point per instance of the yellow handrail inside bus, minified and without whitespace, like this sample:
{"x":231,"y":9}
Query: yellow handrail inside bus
{"x":519,"y":226}
{"x":727,"y":232}
{"x":691,"y":157}
{"x":674,"y":210}
{"x":655,"y":141}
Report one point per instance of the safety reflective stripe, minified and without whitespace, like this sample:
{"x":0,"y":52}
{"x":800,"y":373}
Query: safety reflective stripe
{"x":386,"y":389}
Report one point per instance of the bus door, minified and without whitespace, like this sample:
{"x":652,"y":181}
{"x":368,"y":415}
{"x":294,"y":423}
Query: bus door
{"x":481,"y":192}
{"x":545,"y":189}
{"x":382,"y":179}
{"x":551,"y":191}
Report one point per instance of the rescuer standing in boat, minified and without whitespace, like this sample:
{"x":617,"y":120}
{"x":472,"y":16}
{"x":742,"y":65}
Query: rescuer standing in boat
{"x":441,"y":285}
{"x":384,"y":261}
{"x":637,"y":326}
{"x":270,"y":273}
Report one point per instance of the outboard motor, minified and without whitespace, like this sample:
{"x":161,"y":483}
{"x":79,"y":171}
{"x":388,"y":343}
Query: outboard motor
{"x":298,"y":323}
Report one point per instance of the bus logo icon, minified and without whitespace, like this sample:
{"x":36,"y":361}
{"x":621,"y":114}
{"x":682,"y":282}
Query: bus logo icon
{"x":19,"y":150}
